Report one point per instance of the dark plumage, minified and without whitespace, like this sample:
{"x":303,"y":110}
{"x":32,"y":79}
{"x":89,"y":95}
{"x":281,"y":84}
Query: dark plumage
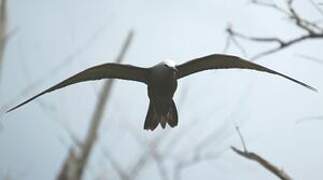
{"x":161,"y":81}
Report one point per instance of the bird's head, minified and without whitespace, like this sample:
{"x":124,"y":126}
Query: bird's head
{"x":170,"y":64}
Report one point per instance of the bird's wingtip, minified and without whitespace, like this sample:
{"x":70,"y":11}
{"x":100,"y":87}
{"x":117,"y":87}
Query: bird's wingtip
{"x":8,"y":111}
{"x":316,"y":90}
{"x":312,"y":88}
{"x":2,"y":112}
{"x":11,"y":109}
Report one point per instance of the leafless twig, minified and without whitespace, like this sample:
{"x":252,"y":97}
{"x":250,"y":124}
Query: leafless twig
{"x":122,"y":174}
{"x":231,"y":39}
{"x":314,"y":59}
{"x":241,"y":139}
{"x":151,"y":153}
{"x":268,"y":5}
{"x":217,"y":135}
{"x":311,"y":118}
{"x":257,"y":158}
{"x":317,"y":7}
{"x":312,"y":30}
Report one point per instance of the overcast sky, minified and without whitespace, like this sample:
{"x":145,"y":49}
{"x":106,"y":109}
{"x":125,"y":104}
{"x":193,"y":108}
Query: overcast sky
{"x":34,"y":142}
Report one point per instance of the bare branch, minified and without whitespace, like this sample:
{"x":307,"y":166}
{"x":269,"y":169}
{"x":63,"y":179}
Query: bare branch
{"x":232,"y":38}
{"x":233,"y":33}
{"x":269,"y":5}
{"x":301,"y":22}
{"x":291,"y":14}
{"x":69,"y":168}
{"x":317,"y":7}
{"x":122,"y":174}
{"x":314,"y":59}
{"x":311,"y":118}
{"x":284,"y":45}
{"x":217,"y":135}
{"x":227,"y":44}
{"x":3,"y":30}
{"x":139,"y":165}
{"x":313,"y":30}
{"x":241,"y":138}
{"x":281,"y":43}
{"x":181,"y":165}
{"x":197,"y":157}
{"x":153,"y":153}
{"x":257,"y":158}
{"x":80,"y":162}
{"x":5,"y":36}
{"x":160,"y":164}
{"x":263,"y":162}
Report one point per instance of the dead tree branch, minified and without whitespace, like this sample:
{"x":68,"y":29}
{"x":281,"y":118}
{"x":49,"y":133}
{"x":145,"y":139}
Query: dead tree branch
{"x":311,"y":118}
{"x":314,"y":59}
{"x":114,"y":163}
{"x":257,"y":158}
{"x":141,"y":162}
{"x":5,"y":35}
{"x":218,"y":135}
{"x":198,"y":155}
{"x":3,"y":30}
{"x":152,"y":153}
{"x":311,"y":29}
{"x":317,"y":7}
{"x":73,"y":168}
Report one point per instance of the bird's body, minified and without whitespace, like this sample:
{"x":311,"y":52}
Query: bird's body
{"x":162,"y":84}
{"x":161,"y":81}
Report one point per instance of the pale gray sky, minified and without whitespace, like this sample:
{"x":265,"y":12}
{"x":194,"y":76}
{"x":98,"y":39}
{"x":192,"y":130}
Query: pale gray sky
{"x":34,"y":144}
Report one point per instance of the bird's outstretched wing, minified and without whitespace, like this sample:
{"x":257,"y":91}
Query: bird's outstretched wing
{"x":221,"y":61}
{"x":104,"y":71}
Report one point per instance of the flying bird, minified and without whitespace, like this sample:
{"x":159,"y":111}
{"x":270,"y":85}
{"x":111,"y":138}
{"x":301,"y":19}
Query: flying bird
{"x":161,"y":81}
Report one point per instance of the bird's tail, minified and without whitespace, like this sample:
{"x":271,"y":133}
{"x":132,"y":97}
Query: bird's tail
{"x":153,"y":118}
{"x":172,"y":117}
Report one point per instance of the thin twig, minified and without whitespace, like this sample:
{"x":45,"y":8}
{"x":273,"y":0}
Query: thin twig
{"x":215,"y":136}
{"x":269,"y":5}
{"x":282,"y":44}
{"x":231,"y":32}
{"x":232,"y":38}
{"x":263,"y":162}
{"x":116,"y":166}
{"x":314,"y":59}
{"x":317,"y":7}
{"x":313,"y":30}
{"x":241,"y":139}
{"x":160,"y":164}
{"x":311,"y":118}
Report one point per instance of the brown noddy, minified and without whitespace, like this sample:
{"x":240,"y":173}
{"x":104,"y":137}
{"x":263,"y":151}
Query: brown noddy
{"x":161,"y":81}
